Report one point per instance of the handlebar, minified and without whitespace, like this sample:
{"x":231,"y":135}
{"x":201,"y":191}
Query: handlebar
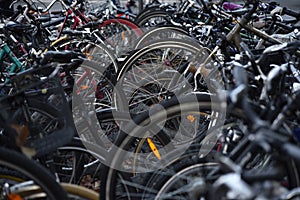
{"x":290,"y":12}
{"x":60,"y":57}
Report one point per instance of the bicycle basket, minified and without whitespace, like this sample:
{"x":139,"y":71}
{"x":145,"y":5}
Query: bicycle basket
{"x":40,"y":103}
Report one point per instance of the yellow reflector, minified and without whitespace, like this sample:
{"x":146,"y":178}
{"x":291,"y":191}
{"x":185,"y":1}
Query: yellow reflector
{"x":153,"y":148}
{"x":44,"y":91}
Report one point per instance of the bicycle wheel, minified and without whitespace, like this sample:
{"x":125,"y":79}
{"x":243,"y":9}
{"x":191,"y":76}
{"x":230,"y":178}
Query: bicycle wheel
{"x":189,"y":46}
{"x":80,"y":161}
{"x":156,"y":72}
{"x":192,"y":177}
{"x":147,"y":10}
{"x":135,"y":157}
{"x":154,"y":18}
{"x":120,"y":34}
{"x":93,"y":78}
{"x":161,"y":32}
{"x":30,"y":170}
{"x":179,"y":178}
{"x":92,"y":94}
{"x":76,"y":163}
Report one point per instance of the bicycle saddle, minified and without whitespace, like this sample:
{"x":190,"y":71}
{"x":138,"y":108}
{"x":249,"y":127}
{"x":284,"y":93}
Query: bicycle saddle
{"x":234,"y":9}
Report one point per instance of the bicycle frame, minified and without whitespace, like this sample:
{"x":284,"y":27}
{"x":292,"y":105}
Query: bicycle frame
{"x":16,"y":64}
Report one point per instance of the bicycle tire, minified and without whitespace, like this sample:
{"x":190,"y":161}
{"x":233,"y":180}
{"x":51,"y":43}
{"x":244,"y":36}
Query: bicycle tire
{"x":120,"y":34}
{"x":188,"y":44}
{"x":147,"y":10}
{"x":34,"y":171}
{"x":130,"y":24}
{"x":156,"y":34}
{"x":75,"y":164}
{"x":178,"y":171}
{"x":154,"y":18}
{"x":111,"y":174}
{"x":162,"y":183}
{"x":87,"y":101}
{"x":146,"y":63}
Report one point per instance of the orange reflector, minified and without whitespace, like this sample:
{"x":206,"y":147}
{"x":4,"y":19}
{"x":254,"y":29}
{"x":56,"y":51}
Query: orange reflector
{"x":84,"y":87}
{"x":14,"y":197}
{"x":123,"y":36}
{"x":191,"y":118}
{"x":153,"y":148}
{"x":89,"y":55}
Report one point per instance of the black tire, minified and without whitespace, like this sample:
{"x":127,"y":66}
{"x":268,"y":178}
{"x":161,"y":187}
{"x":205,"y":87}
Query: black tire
{"x":188,"y":44}
{"x":161,"y":32}
{"x":117,"y":184}
{"x":96,"y":96}
{"x":162,"y":65}
{"x":33,"y":171}
{"x":75,"y":164}
{"x":179,"y":174}
{"x":157,"y":17}
{"x":146,"y":11}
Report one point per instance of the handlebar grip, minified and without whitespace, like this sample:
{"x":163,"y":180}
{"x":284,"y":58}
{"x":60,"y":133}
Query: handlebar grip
{"x":60,"y":56}
{"x":284,"y":26}
{"x":53,"y":22}
{"x":72,"y":32}
{"x":290,"y":12}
